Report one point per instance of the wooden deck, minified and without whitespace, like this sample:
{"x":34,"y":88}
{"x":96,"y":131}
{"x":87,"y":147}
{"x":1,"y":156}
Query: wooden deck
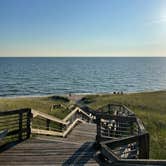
{"x":120,"y":138}
{"x":76,"y":149}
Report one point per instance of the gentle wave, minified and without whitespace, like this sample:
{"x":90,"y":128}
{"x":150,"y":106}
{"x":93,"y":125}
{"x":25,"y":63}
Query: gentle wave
{"x":47,"y":76}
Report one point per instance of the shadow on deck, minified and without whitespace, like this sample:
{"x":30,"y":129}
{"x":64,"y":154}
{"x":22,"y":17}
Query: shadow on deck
{"x":85,"y":154}
{"x":76,"y":149}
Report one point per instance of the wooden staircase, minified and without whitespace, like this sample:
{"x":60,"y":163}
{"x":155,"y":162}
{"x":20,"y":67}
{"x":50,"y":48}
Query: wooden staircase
{"x":115,"y":137}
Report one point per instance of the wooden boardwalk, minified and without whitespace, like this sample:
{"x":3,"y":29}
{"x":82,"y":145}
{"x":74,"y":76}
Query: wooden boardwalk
{"x":76,"y":149}
{"x":120,"y":138}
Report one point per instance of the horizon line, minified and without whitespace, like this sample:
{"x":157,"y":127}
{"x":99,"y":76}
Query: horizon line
{"x":82,"y":56}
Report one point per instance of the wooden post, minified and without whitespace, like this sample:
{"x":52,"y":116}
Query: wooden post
{"x":118,"y":126}
{"x":121,"y":109}
{"x":29,"y":116}
{"x":20,"y":127}
{"x":47,"y":124}
{"x":144,"y":146}
{"x":98,"y":136}
{"x":131,"y":128}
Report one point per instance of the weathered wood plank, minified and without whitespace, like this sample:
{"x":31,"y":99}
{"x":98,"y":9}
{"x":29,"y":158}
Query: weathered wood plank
{"x":45,"y":150}
{"x":46,"y":132}
{"x":83,"y":154}
{"x":13,"y":112}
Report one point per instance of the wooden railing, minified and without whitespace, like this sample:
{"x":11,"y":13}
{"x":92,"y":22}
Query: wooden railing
{"x":17,"y":125}
{"x":43,"y":123}
{"x":116,"y":109}
{"x":122,"y":138}
{"x":49,"y":125}
{"x":14,"y":126}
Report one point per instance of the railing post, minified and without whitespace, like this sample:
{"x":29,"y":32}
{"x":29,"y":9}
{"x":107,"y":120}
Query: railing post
{"x":20,"y":127}
{"x":144,"y":146}
{"x":131,"y":128}
{"x":29,"y":116}
{"x":47,"y":124}
{"x":98,"y":123}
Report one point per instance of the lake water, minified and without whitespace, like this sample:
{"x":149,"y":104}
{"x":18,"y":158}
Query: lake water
{"x":43,"y":76}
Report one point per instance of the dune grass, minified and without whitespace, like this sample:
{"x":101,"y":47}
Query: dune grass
{"x":149,"y":107}
{"x":42,"y":104}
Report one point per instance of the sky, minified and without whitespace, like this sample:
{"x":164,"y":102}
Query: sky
{"x":82,"y":28}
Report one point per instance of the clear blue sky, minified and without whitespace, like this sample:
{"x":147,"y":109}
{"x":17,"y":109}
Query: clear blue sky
{"x":82,"y":27}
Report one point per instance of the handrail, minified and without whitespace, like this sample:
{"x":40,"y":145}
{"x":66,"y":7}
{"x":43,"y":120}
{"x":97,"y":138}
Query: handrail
{"x":15,"y":124}
{"x":70,"y":114}
{"x":13,"y":112}
{"x":88,"y":110}
{"x":68,"y":122}
{"x":123,"y":110}
{"x":52,"y":118}
{"x":129,"y":150}
{"x":121,"y":135}
{"x":65,"y":133}
{"x":46,"y":132}
{"x":140,"y":125}
{"x":73,"y":112}
{"x":44,"y":115}
{"x":115,"y":160}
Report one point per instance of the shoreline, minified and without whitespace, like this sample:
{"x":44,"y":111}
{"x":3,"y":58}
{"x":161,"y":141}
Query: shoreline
{"x":77,"y":94}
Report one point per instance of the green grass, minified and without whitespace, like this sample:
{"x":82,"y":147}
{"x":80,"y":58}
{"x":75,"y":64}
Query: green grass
{"x":42,"y":104}
{"x":149,"y":107}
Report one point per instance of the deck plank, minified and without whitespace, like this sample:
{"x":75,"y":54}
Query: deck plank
{"x":76,"y":149}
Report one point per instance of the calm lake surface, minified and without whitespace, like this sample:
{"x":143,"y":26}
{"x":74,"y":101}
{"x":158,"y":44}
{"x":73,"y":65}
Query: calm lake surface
{"x":43,"y":76}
